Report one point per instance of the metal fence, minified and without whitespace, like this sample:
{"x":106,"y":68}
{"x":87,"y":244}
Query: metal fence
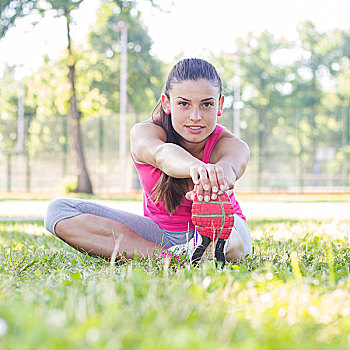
{"x":47,"y":164}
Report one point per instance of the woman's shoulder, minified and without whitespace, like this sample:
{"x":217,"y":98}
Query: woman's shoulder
{"x":143,"y":128}
{"x":145,"y":138}
{"x":224,"y":132}
{"x":227,"y":134}
{"x":227,"y":143}
{"x":146,"y":122}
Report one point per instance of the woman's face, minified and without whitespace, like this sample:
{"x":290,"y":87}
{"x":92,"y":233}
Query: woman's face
{"x":194,"y":106}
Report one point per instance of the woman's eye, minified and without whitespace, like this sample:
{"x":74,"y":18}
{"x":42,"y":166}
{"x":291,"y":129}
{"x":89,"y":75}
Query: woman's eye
{"x":183,"y":104}
{"x":208,"y":104}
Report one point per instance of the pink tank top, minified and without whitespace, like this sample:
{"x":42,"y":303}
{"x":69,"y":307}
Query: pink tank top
{"x":181,"y":218}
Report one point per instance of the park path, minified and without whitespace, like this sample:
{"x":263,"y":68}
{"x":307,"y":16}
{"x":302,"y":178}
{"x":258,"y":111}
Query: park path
{"x":252,"y":208}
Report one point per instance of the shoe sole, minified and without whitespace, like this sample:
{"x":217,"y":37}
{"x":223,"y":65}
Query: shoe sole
{"x":214,"y":221}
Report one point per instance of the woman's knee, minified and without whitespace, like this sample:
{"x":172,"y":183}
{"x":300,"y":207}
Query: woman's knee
{"x":58,"y":210}
{"x":234,"y":250}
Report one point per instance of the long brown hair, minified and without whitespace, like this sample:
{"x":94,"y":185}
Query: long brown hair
{"x":170,"y":189}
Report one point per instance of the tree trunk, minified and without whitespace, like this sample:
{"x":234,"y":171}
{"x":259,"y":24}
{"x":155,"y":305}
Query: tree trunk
{"x":84,"y":183}
{"x":261,"y":145}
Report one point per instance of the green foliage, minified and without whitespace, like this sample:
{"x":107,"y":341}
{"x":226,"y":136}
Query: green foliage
{"x":10,"y":10}
{"x":102,"y":71}
{"x":292,"y":110}
{"x":70,"y":185}
{"x":8,"y":109}
{"x":97,"y":71}
{"x":48,"y":90}
{"x":260,"y":75}
{"x":8,"y":94}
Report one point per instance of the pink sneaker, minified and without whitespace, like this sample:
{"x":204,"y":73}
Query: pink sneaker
{"x":213,"y":221}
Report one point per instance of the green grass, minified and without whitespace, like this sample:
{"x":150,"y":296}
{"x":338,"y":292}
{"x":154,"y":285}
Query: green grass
{"x":293,"y":293}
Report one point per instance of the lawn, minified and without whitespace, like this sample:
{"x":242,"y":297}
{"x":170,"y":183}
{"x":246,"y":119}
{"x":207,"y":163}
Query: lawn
{"x":293,"y":293}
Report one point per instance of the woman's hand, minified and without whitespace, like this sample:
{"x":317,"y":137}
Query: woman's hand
{"x":209,"y":181}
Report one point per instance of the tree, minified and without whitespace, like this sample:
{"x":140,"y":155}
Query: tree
{"x":84,"y":183}
{"x":145,"y":72}
{"x":343,"y":99}
{"x":10,"y":10}
{"x":14,"y":9}
{"x":8,"y":108}
{"x":260,"y":82}
{"x":315,"y":74}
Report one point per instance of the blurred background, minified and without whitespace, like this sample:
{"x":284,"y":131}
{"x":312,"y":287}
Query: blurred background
{"x":76,"y":75}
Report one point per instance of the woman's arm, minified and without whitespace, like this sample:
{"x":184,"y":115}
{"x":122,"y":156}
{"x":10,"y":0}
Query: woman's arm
{"x":229,"y":158}
{"x":148,"y":145}
{"x":232,"y":154}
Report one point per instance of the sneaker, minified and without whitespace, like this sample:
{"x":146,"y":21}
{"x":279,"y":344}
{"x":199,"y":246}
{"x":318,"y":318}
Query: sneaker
{"x":187,"y":248}
{"x":214,"y":221}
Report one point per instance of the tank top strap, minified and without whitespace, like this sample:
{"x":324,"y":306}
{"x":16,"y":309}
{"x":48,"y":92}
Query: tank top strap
{"x":211,"y":141}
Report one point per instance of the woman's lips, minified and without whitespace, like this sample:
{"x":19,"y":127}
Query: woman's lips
{"x":194,"y":129}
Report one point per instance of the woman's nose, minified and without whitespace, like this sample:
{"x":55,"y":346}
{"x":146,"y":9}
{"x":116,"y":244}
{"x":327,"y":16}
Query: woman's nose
{"x":196,"y":114}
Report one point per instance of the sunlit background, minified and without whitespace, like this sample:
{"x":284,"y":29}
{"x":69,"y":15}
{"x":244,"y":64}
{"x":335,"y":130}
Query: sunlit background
{"x":285,"y":70}
{"x":192,"y":27}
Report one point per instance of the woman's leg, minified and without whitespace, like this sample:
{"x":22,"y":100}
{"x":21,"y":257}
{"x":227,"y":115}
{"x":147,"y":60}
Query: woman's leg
{"x":239,"y":243}
{"x":97,"y":229}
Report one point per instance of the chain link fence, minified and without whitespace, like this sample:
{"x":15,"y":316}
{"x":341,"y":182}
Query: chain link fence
{"x":284,"y":158}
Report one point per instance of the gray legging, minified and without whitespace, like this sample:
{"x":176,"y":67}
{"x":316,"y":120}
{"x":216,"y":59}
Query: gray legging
{"x":145,"y":227}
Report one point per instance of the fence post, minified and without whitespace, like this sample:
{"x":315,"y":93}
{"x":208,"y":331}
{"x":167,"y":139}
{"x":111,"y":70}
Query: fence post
{"x":300,"y":153}
{"x":261,"y":145}
{"x":8,"y":172}
{"x":100,"y":153}
{"x":347,"y":128}
{"x":345,"y":144}
{"x":28,"y":172}
{"x":64,"y":146}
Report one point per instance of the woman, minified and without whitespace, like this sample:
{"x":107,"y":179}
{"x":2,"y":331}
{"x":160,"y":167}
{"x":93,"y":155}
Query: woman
{"x":181,"y":153}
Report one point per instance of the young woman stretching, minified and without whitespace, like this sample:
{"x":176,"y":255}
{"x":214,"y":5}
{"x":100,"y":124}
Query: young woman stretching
{"x":181,"y":154}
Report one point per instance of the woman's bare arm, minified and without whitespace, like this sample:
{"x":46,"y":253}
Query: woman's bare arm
{"x":229,"y":158}
{"x":148,"y":145}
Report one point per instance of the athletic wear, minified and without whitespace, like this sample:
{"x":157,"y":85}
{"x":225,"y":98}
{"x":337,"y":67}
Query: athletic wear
{"x":180,"y":220}
{"x":156,"y":225}
{"x":64,"y":208}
